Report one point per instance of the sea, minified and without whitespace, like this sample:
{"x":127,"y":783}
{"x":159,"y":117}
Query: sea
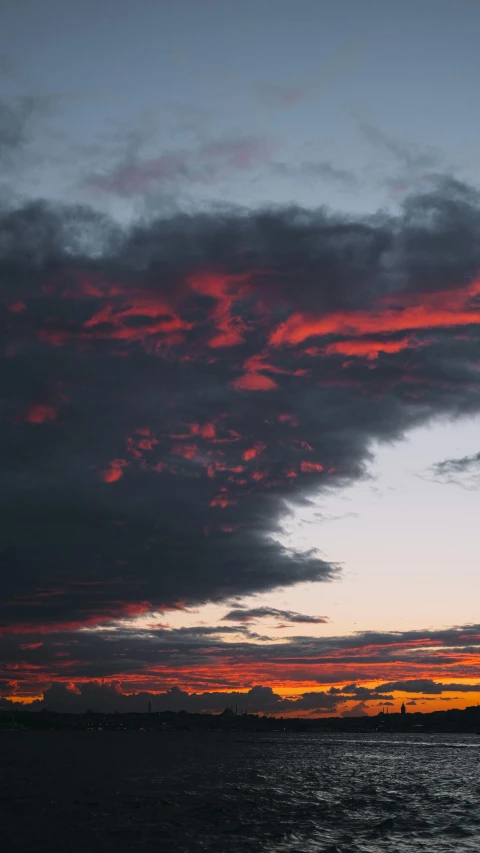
{"x":189,"y":792}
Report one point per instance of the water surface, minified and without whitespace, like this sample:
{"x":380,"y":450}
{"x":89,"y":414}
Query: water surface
{"x":186,"y":792}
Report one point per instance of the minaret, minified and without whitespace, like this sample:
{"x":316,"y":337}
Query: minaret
{"x":403,"y":710}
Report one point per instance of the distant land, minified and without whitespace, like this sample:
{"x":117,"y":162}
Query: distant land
{"x":449,"y":721}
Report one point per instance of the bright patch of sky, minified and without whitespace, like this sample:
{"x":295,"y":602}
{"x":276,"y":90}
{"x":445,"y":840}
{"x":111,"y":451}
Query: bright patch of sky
{"x":407,"y":542}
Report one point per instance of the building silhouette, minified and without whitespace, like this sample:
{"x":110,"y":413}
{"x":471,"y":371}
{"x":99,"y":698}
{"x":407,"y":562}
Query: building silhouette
{"x":403,"y":710}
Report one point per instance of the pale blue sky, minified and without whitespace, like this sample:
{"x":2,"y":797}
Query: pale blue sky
{"x":149,"y":76}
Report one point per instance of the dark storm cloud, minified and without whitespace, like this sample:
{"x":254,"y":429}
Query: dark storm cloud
{"x":251,"y":614}
{"x":168,"y":390}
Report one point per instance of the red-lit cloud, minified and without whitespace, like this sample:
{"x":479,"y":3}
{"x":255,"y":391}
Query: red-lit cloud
{"x":17,"y":307}
{"x":38,"y":413}
{"x":445,"y":309}
{"x":254,"y":382}
{"x":114,"y":472}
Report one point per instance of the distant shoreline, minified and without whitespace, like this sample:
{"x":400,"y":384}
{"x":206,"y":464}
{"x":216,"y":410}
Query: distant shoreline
{"x":436,"y":722}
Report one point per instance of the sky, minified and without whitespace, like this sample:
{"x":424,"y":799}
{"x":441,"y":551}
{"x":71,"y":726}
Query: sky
{"x":240,"y":388}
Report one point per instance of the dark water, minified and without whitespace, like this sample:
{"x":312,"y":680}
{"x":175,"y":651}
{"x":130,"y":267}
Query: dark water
{"x":95,"y":791}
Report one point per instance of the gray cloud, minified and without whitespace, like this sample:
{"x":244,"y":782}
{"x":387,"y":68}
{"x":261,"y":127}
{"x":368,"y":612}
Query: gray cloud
{"x":464,"y":471}
{"x":280,"y":97}
{"x":416,"y":168}
{"x":314,"y":170}
{"x":171,"y":388}
{"x":359,"y":710}
{"x":428,"y":686}
{"x":213,"y":161}
{"x":19,"y":118}
{"x":251,"y":614}
{"x":457,"y":466}
{"x":409,"y":155}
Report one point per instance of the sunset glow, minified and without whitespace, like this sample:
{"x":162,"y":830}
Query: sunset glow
{"x":240,"y":386}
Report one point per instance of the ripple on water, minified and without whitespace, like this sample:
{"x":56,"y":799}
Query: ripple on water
{"x":211,"y":793}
